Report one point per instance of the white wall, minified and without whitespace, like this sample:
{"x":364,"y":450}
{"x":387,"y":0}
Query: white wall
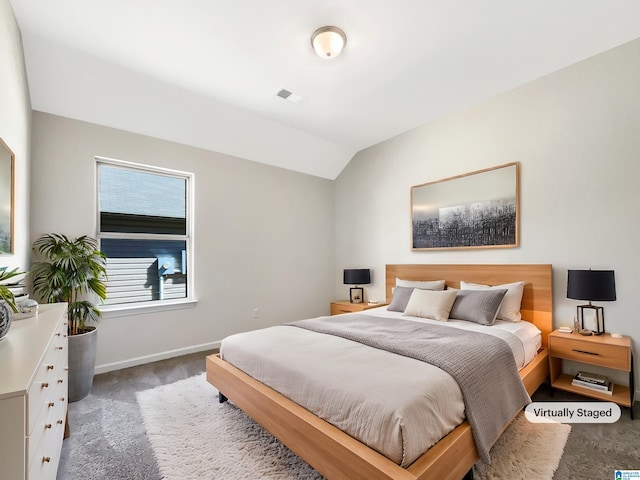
{"x":263,"y":233}
{"x":15,"y":128}
{"x":264,"y":236}
{"x":576,"y":134}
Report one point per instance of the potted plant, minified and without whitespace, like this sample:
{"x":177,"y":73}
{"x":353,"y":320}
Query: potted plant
{"x":7,"y":300}
{"x":72,"y":270}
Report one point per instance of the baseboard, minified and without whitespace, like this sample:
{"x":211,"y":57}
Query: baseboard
{"x":109,"y":367}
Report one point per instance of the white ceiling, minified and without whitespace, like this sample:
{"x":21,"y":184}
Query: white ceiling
{"x":205,"y":72}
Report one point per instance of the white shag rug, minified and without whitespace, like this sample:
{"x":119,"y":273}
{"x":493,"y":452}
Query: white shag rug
{"x":195,"y":437}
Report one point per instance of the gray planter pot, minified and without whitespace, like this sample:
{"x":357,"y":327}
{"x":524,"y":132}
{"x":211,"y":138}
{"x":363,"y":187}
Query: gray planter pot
{"x":82,"y":362}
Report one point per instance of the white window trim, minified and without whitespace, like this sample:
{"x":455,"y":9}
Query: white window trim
{"x":125,"y":309}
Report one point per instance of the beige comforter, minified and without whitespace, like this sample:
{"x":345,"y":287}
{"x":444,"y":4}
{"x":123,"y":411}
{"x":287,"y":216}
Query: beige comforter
{"x":396,"y":405}
{"x":384,"y":397}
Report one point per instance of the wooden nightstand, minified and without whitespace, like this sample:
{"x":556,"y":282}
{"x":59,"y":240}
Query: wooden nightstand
{"x":604,"y":351}
{"x":345,"y":306}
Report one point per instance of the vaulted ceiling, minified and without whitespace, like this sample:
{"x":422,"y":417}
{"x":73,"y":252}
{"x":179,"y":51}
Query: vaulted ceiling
{"x":206,"y":72}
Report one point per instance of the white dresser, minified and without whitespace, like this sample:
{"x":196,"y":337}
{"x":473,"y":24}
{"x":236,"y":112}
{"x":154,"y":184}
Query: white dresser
{"x":33,"y":394}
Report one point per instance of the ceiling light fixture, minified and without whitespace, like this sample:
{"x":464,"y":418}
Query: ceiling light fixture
{"x":328,"y":42}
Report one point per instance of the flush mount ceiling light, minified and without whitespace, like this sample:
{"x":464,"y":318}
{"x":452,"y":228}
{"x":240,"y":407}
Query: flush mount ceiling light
{"x":328,"y":42}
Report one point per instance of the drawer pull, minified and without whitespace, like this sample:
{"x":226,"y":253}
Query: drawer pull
{"x":60,"y":380}
{"x":584,"y":351}
{"x":50,"y":367}
{"x":62,"y":399}
{"x":47,"y":425}
{"x":59,"y":422}
{"x":45,"y":384}
{"x":58,"y":334}
{"x":59,"y":348}
{"x":51,"y":404}
{"x":46,"y":459}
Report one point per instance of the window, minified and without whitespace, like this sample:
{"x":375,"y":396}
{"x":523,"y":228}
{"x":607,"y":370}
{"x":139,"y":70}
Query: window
{"x":144,"y":229}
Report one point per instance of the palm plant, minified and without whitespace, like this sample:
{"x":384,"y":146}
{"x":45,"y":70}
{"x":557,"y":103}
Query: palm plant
{"x":72,"y":268}
{"x":5,"y":293}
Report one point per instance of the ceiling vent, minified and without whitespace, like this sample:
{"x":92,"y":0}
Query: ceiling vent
{"x":289,"y":96}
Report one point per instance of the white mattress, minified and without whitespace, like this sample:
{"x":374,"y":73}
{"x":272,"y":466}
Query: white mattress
{"x":394,"y":404}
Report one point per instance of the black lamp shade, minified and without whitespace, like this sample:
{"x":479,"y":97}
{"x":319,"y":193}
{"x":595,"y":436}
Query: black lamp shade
{"x":357,"y":276}
{"x":591,"y":285}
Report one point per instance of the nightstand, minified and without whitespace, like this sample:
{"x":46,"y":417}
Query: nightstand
{"x":345,"y":306}
{"x":604,"y":351}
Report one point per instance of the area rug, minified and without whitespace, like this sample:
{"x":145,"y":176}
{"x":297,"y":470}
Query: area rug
{"x":195,"y":437}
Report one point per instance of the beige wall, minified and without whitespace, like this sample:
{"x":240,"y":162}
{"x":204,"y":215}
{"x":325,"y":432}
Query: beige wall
{"x":576,"y":135}
{"x":15,"y":127}
{"x":263,"y":236}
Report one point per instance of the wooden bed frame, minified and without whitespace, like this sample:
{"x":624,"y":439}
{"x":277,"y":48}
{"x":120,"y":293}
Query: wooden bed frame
{"x":337,"y":455}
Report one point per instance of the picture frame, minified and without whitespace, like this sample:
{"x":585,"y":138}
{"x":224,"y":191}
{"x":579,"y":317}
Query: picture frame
{"x":479,"y":209}
{"x":356,"y":295}
{"x":7,"y":173}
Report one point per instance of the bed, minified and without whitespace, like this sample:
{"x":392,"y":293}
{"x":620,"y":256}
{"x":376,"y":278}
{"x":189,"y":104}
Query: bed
{"x":337,"y":455}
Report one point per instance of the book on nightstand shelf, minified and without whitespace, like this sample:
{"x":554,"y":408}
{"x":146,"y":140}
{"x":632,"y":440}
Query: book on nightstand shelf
{"x":599,"y":385}
{"x":591,"y":377}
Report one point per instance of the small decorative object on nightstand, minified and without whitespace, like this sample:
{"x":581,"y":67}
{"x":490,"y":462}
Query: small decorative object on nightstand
{"x":357,"y":276}
{"x":345,"y":306}
{"x":591,"y":285}
{"x":604,"y":351}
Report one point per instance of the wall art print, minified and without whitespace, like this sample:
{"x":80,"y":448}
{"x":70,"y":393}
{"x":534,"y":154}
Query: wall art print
{"x":474,"y":210}
{"x":6,"y":198}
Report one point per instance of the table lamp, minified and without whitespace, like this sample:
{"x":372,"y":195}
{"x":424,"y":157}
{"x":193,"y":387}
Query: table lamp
{"x":357,"y":276}
{"x":591,"y":285}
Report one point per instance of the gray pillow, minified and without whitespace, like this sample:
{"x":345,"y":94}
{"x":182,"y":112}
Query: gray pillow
{"x":478,"y":306}
{"x":401,"y":296}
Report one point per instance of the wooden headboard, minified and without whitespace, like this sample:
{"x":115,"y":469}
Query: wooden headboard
{"x":537,"y":299}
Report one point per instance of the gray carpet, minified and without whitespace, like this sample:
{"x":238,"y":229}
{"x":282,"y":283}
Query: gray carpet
{"x":596,"y":451}
{"x":108,"y":440}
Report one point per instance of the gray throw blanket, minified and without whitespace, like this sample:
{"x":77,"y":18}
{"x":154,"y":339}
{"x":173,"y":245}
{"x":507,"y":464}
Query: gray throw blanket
{"x":482,"y":364}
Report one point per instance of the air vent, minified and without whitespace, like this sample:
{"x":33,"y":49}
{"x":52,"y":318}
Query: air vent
{"x":289,"y":96}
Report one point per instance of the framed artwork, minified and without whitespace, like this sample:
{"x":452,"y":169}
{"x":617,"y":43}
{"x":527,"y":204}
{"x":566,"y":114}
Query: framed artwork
{"x":474,"y":210}
{"x":6,"y":198}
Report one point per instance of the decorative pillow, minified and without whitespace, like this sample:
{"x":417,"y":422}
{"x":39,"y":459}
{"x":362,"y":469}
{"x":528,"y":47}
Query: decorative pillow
{"x":400,"y":299}
{"x":510,"y":308}
{"x":428,"y":285}
{"x":431,"y":304}
{"x":478,"y":306}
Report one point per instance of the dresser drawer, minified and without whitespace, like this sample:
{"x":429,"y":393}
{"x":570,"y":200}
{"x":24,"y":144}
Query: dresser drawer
{"x":52,"y":413}
{"x":44,"y":462}
{"x":50,"y":373}
{"x":612,"y":356}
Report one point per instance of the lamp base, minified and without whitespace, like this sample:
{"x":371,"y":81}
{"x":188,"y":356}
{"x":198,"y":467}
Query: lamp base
{"x":356,"y":295}
{"x":598,"y":317}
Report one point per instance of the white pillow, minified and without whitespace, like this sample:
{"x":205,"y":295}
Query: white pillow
{"x":431,"y":304}
{"x":510,"y":307}
{"x":431,"y":285}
